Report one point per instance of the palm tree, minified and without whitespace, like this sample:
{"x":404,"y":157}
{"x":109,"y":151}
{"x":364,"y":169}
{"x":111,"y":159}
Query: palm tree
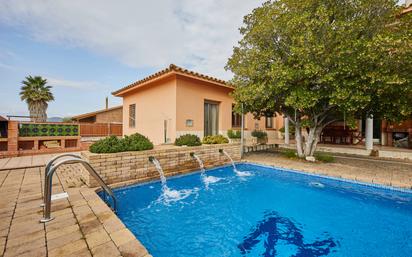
{"x":36,"y":94}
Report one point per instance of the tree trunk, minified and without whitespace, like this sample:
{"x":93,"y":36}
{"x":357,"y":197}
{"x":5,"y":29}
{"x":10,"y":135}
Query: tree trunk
{"x":312,"y":140}
{"x":318,"y":131}
{"x":37,"y":111}
{"x":298,"y":138}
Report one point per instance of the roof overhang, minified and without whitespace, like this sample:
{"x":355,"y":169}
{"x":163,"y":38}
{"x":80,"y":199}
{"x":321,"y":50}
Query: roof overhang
{"x":172,"y":70}
{"x":91,"y":114}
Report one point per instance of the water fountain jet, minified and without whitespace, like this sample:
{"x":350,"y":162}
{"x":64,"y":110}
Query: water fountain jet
{"x":168,"y":195}
{"x":206,"y":179}
{"x":239,"y":173}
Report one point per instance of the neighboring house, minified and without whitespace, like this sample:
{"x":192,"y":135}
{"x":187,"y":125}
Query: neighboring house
{"x":102,"y":123}
{"x":107,"y":115}
{"x":176,"y":101}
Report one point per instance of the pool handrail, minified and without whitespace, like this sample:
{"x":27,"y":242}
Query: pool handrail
{"x":48,"y":184}
{"x":51,"y":162}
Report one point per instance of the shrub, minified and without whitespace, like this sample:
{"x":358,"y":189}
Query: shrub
{"x":136,"y":142}
{"x":324,"y":157}
{"x":291,"y":129}
{"x":110,"y":144}
{"x":234,"y":134}
{"x":188,"y":139}
{"x":288,"y":153}
{"x":113,"y":144}
{"x":259,"y":134}
{"x":217,"y":139}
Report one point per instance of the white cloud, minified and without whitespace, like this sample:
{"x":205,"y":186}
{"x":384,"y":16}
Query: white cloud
{"x":194,"y":33}
{"x":6,"y":66}
{"x":84,"y":85}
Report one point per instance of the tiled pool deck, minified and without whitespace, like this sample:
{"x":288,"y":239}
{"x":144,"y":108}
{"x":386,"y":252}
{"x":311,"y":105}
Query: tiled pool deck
{"x":85,"y":226}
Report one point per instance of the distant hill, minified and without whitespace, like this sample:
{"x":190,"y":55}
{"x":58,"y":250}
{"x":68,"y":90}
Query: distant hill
{"x":55,"y":119}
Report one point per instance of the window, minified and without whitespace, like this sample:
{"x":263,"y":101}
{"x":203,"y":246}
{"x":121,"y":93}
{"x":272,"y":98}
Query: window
{"x":236,"y":119}
{"x":211,"y":118}
{"x":269,"y":122}
{"x":132,"y":115}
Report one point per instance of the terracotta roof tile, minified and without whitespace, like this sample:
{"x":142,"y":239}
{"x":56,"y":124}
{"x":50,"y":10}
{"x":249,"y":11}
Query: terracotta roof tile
{"x":177,"y":70}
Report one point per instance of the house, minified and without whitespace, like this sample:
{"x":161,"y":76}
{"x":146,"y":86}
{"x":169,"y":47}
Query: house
{"x":176,"y":101}
{"x":107,"y":115}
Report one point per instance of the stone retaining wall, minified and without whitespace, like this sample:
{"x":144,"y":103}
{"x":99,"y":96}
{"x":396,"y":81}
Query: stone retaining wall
{"x":132,"y":167}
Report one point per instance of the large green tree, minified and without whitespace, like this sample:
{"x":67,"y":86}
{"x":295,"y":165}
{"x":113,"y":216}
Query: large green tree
{"x":316,"y":61}
{"x":36,"y":94}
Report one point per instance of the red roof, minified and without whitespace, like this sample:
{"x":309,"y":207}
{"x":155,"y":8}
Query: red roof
{"x":172,"y":69}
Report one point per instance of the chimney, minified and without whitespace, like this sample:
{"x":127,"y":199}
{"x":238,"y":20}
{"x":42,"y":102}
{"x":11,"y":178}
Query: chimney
{"x":107,"y":102}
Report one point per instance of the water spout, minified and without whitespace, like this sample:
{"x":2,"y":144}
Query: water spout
{"x":169,"y":195}
{"x":202,"y":167}
{"x":239,"y":173}
{"x":206,"y":179}
{"x":159,"y":169}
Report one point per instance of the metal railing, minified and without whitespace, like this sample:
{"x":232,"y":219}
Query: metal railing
{"x":51,"y":168}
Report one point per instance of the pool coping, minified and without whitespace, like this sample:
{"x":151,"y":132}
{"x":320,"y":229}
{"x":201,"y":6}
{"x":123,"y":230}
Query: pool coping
{"x":306,"y":173}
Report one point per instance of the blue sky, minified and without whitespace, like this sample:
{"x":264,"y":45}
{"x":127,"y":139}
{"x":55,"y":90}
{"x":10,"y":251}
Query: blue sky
{"x":87,"y":49}
{"x":81,"y":79}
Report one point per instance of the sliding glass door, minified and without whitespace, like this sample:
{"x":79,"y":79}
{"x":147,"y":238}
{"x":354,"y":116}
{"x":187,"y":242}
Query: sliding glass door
{"x":211,"y":118}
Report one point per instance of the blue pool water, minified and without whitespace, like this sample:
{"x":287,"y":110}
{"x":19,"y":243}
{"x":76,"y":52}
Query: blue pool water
{"x":271,"y":213}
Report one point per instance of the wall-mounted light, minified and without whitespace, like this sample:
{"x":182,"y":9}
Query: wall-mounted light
{"x":189,"y":123}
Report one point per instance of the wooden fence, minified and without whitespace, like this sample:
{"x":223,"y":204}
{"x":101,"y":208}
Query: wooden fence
{"x":100,"y":129}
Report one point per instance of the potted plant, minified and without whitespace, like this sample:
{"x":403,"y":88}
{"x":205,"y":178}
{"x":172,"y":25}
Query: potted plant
{"x":234,"y":136}
{"x":261,"y":137}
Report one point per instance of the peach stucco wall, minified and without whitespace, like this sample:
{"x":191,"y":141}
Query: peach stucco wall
{"x":251,"y":123}
{"x":191,"y":95}
{"x":178,"y":98}
{"x":155,"y":103}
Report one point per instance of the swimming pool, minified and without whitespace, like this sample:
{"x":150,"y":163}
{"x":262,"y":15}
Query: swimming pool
{"x":271,"y":213}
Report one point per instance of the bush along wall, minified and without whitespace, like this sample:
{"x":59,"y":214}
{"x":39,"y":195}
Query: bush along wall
{"x":259,"y":134}
{"x":217,"y":139}
{"x":113,"y":144}
{"x":188,"y":140}
{"x":234,"y":134}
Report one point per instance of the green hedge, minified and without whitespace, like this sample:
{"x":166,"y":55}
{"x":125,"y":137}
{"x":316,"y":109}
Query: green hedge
{"x":47,"y":130}
{"x":217,"y":139}
{"x":113,"y":144}
{"x":189,"y":140}
{"x":234,"y":134}
{"x":259,"y":134}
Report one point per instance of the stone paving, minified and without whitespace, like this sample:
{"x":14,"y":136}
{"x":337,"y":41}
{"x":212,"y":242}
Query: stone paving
{"x":25,"y":161}
{"x":390,"y":173}
{"x":83,"y":226}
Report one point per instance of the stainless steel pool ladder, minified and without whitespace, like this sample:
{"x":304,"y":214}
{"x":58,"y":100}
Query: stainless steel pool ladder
{"x":51,"y":167}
